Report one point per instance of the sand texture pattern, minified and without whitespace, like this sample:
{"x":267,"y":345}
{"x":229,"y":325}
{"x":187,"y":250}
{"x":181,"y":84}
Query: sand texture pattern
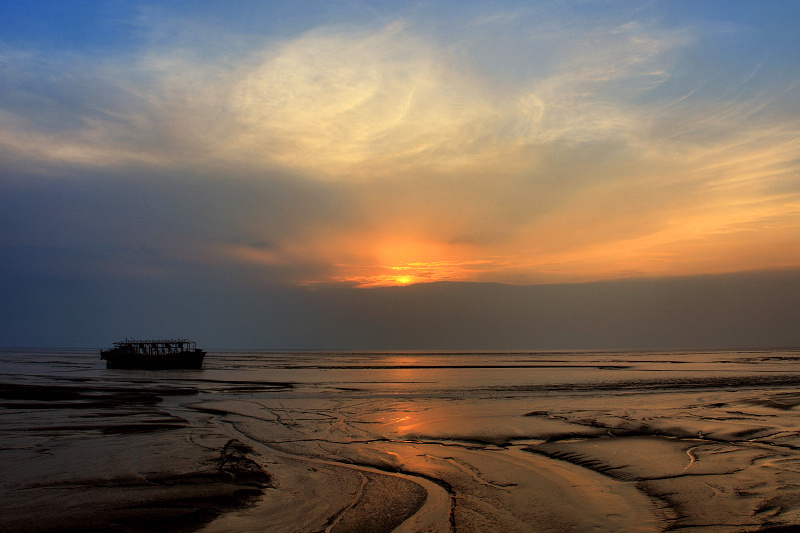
{"x":690,"y":442}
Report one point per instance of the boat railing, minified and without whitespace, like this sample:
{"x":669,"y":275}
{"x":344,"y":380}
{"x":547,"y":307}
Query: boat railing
{"x":156,"y":347}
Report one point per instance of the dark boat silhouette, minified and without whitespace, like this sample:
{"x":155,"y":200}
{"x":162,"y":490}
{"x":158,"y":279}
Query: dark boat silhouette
{"x":154,"y":354}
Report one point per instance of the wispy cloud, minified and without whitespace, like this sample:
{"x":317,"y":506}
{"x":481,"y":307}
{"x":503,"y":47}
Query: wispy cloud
{"x":581,"y":157}
{"x":331,"y":101}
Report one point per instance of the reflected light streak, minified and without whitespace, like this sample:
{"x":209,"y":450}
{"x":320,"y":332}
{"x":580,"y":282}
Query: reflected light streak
{"x":403,"y":419}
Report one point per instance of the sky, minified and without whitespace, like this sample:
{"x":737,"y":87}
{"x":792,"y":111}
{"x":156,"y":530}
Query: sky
{"x":292,"y":174}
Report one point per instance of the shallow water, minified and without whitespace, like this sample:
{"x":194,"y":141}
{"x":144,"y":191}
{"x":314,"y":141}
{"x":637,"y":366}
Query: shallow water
{"x":434,"y":374}
{"x":564,"y":441}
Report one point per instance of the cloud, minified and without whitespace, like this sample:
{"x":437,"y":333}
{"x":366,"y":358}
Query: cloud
{"x":363,"y":154}
{"x":336,"y":102}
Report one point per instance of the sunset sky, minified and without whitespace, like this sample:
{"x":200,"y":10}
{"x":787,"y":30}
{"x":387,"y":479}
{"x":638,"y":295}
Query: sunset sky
{"x":151,"y":152}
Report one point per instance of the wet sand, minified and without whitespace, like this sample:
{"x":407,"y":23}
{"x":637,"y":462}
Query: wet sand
{"x":77,"y":458}
{"x":687,"y":453}
{"x":700,"y":461}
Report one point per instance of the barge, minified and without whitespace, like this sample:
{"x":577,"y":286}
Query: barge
{"x":154,"y":354}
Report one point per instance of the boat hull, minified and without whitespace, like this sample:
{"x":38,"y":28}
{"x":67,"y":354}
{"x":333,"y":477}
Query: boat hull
{"x":188,"y":359}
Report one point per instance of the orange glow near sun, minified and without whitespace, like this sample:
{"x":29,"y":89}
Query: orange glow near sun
{"x":393,"y":262}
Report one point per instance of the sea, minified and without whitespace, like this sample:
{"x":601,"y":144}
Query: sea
{"x":437,"y":374}
{"x":692,"y":440}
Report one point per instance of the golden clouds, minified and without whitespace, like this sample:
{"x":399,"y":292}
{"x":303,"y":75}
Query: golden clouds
{"x":378,"y":104}
{"x":578,"y":156}
{"x":355,"y":106}
{"x":562,"y":177}
{"x":339,"y":103}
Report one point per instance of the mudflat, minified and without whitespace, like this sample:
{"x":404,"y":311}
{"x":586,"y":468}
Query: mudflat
{"x":385,"y":442}
{"x":83,"y":458}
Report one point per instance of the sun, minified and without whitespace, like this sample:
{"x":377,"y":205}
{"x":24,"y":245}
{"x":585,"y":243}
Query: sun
{"x":403,"y":280}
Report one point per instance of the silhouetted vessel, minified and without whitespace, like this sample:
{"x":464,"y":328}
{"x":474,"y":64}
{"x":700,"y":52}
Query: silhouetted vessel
{"x":154,"y":355}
